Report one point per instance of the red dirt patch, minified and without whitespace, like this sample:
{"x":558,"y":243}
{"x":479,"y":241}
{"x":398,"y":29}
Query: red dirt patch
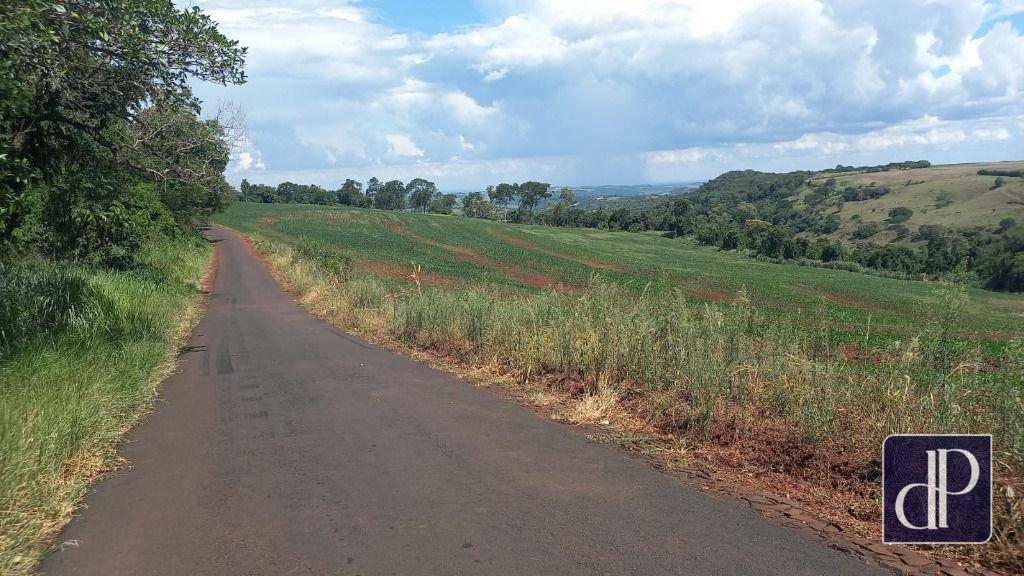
{"x":266,"y":220}
{"x":395,"y":270}
{"x":709,"y":295}
{"x":534,"y":248}
{"x":535,"y":280}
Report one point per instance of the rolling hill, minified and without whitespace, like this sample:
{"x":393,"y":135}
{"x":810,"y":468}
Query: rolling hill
{"x":971,"y":200}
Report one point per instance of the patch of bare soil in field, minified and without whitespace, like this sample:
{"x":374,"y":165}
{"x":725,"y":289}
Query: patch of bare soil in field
{"x":534,"y":248}
{"x":535,"y":280}
{"x":395,"y":270}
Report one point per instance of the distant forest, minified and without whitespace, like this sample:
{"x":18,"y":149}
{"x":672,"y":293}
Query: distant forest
{"x":746,"y":211}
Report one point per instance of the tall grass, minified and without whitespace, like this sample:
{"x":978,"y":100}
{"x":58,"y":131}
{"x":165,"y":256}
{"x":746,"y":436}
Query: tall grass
{"x":81,"y":352}
{"x":699,"y":368}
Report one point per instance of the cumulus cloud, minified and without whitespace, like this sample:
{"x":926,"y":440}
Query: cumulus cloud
{"x":245,"y":157}
{"x":611,"y":90}
{"x":403,"y":145}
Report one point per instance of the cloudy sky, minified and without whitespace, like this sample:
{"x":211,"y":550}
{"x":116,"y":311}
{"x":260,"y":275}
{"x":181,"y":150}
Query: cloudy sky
{"x":601,"y":92}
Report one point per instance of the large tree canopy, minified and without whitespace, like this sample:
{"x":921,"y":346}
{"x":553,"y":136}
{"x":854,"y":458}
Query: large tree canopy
{"x":95,"y":101}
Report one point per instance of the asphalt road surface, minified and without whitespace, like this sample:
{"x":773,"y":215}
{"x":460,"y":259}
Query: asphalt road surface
{"x":287,"y":447}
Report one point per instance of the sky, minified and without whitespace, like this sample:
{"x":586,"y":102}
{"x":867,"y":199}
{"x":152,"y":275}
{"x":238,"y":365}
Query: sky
{"x":586,"y":92}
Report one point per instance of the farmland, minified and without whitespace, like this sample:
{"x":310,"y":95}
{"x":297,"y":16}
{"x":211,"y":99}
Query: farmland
{"x":392,"y":244}
{"x":799,"y":371}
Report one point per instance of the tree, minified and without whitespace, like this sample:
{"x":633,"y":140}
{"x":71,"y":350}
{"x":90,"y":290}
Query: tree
{"x":373,"y":189}
{"x":442,"y":204}
{"x":502,"y":195}
{"x":1006,"y":223}
{"x":420,"y":192}
{"x":944,"y":252}
{"x":900,"y":214}
{"x":474,"y":205}
{"x":391,"y":196}
{"x":943,"y":199}
{"x":566,"y":197}
{"x":532,"y":193}
{"x":97,"y":107}
{"x":1001,"y":264}
{"x":351,"y":194}
{"x":867,"y":230}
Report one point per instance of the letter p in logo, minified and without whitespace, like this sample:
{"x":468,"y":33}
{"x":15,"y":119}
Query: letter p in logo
{"x":937,"y":488}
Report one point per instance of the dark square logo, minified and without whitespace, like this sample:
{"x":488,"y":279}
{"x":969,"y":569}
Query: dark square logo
{"x":937,"y":489}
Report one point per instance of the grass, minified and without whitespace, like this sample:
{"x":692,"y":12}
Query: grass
{"x":802,"y":371}
{"x":81,"y":353}
{"x":974,"y":200}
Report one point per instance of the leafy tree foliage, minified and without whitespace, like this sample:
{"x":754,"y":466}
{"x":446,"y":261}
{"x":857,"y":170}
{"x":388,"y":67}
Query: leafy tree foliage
{"x":443,"y":204}
{"x":421,"y":192}
{"x":100,"y":143}
{"x":475,"y":205}
{"x":351,"y":194}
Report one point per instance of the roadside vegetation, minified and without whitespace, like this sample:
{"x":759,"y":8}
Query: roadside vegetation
{"x":81,"y":354}
{"x":798,"y":372}
{"x":106,"y":171}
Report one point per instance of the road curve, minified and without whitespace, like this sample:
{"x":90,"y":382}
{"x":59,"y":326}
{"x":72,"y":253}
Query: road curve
{"x":284,"y":446}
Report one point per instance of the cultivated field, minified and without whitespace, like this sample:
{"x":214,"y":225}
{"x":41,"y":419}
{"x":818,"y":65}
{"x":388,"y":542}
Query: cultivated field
{"x":786,"y":374}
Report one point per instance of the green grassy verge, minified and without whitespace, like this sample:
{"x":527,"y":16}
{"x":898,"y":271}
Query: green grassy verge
{"x":81,"y":353}
{"x":801,"y":371}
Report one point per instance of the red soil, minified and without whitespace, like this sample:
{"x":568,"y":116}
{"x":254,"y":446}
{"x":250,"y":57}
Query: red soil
{"x":394,"y":270}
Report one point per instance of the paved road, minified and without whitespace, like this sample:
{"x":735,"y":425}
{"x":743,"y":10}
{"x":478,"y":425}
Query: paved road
{"x":287,"y":447}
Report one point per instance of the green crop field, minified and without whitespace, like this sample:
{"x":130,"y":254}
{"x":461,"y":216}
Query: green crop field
{"x":451,"y":250}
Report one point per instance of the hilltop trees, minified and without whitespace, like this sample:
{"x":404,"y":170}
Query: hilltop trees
{"x":532,"y":193}
{"x":442,"y":204}
{"x":391,"y":196}
{"x":351,"y":194}
{"x":420,"y":192}
{"x":502,"y":195}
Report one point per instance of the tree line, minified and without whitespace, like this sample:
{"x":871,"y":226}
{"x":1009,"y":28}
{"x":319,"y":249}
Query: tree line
{"x":101,"y":142}
{"x":419,"y":195}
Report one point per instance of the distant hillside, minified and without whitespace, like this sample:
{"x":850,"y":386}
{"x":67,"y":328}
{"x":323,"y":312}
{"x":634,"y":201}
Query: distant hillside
{"x":853,"y":205}
{"x":953,"y":195}
{"x":633,"y":197}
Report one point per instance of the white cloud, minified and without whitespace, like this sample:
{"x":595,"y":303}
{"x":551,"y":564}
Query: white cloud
{"x":402,"y":145}
{"x":626,"y":88}
{"x":245,"y":157}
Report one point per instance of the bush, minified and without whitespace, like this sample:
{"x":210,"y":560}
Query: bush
{"x":900,"y":214}
{"x":38,"y":299}
{"x":867,"y":230}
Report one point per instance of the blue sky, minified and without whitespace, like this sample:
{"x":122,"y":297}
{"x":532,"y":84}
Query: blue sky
{"x":602,"y":91}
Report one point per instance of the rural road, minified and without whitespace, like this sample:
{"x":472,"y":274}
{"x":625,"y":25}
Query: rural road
{"x":284,"y":446}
